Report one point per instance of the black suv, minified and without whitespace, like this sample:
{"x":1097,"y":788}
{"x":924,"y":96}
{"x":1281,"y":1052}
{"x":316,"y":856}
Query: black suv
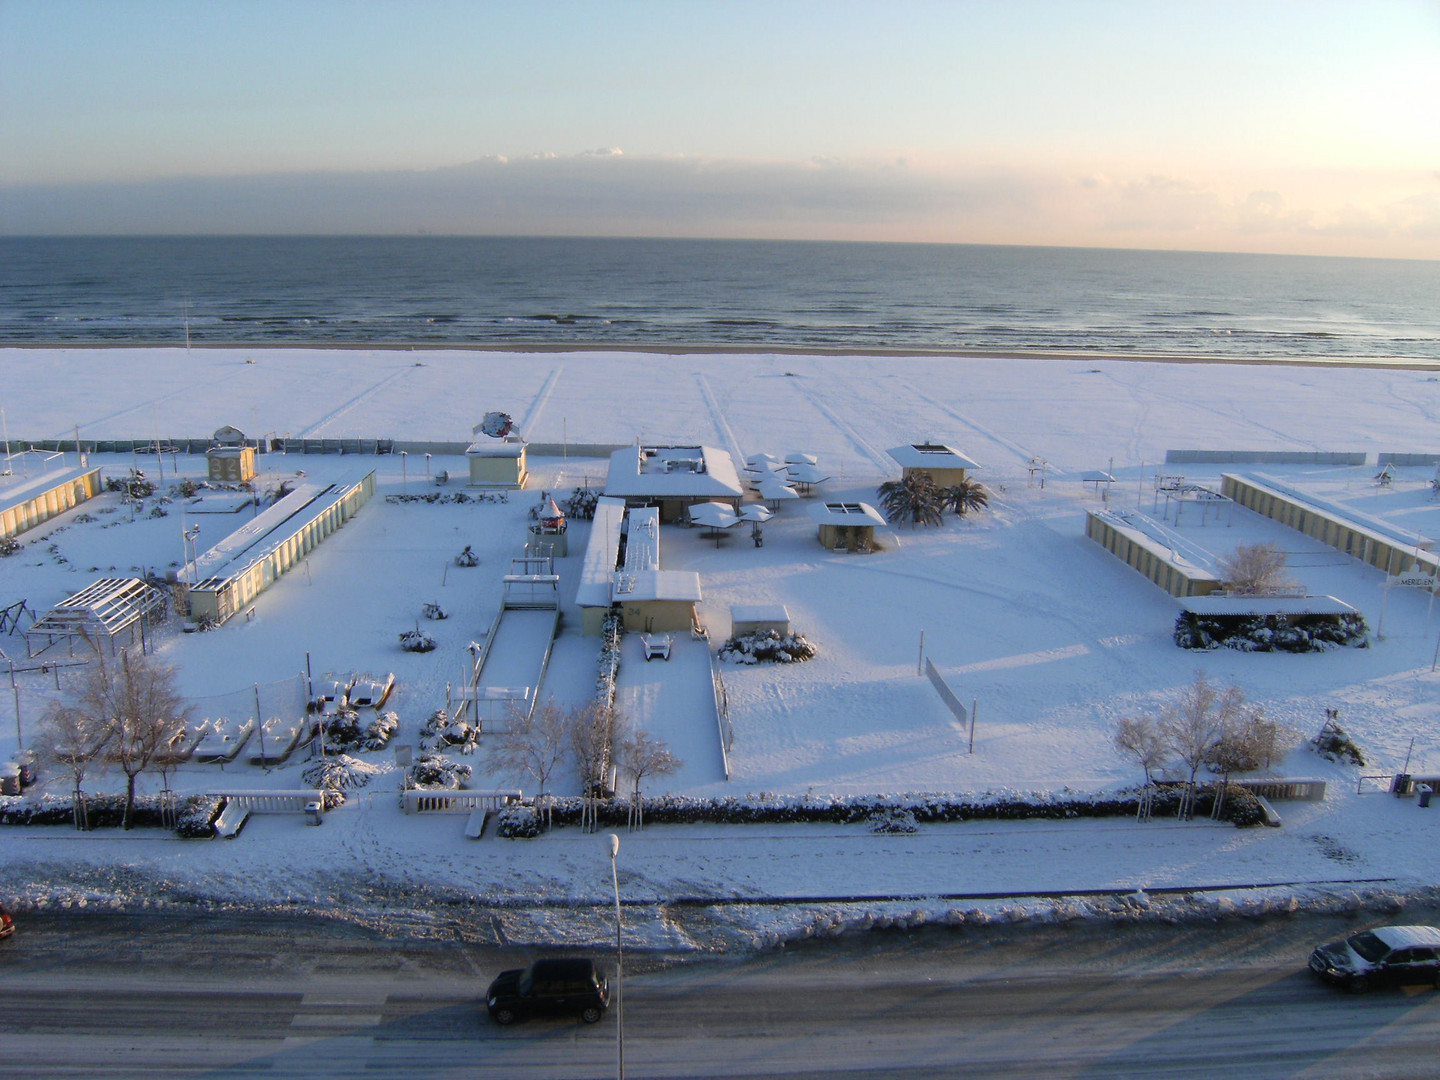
{"x":549,"y":988}
{"x":1407,"y":955}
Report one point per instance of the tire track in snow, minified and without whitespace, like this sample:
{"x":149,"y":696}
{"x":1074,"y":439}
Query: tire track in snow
{"x":313,"y":431}
{"x":878,"y":458}
{"x":1024,"y":454}
{"x":527,"y":425}
{"x":186,"y":389}
{"x":717,"y":417}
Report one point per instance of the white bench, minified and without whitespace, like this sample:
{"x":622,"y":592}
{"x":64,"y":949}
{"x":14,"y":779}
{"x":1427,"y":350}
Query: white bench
{"x":657,"y":646}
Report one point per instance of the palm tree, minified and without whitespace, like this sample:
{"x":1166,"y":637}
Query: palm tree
{"x":966,"y":495}
{"x":913,"y":498}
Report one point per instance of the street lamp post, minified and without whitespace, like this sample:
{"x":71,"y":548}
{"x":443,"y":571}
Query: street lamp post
{"x":619,"y":966}
{"x":192,"y":570}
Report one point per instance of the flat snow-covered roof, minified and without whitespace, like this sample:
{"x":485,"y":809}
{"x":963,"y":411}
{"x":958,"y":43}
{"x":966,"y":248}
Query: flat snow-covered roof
{"x":931,"y":456}
{"x":673,"y":472}
{"x":845,"y":513}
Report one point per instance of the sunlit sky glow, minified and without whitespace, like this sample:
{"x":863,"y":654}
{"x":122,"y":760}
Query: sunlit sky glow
{"x":1261,"y":125}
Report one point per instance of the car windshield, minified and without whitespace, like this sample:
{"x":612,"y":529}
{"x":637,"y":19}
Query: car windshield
{"x":1369,"y":946}
{"x":527,"y":983}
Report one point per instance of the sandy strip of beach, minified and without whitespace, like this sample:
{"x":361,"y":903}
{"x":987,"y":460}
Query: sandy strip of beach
{"x":675,"y":349}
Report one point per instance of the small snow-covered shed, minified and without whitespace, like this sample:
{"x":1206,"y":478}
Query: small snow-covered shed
{"x":945,"y":465}
{"x":846,"y":526}
{"x":497,"y":463}
{"x":758,"y":619}
{"x":231,"y":459}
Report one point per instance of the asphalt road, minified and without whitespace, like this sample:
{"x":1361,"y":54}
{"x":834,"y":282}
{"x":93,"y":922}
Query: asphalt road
{"x":109,"y":997}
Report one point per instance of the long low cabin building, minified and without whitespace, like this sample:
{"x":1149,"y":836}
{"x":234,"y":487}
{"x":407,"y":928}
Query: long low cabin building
{"x":1126,"y":538}
{"x":674,"y":478}
{"x":1378,"y":543}
{"x":31,"y":502}
{"x":245,"y":563}
{"x":646,"y":597}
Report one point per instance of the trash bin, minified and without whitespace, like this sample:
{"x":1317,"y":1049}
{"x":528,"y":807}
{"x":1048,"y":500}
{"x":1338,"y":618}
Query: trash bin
{"x":1400,"y":786}
{"x":1424,"y":791}
{"x":314,"y":809}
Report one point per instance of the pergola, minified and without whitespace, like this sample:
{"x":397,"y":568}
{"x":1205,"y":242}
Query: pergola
{"x":99,"y":612}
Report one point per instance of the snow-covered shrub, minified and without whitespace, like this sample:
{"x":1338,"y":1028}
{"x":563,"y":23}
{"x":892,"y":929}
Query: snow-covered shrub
{"x":9,"y":545}
{"x":518,"y":823}
{"x":339,"y":772}
{"x":434,"y":611}
{"x":380,"y":730}
{"x":438,"y":771}
{"x":1334,"y":744}
{"x":343,"y":730}
{"x":580,"y":504}
{"x":84,"y":518}
{"x":158,"y":511}
{"x":186,"y":488}
{"x":767,"y":646}
{"x":444,"y":732}
{"x":417,"y":641}
{"x":467,"y":558}
{"x":195,"y":814}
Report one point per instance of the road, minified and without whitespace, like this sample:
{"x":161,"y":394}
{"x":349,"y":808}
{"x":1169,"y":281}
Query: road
{"x":115,"y":997}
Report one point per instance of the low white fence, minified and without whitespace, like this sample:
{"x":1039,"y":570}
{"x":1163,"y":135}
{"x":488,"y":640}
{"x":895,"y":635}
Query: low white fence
{"x":1291,"y":788}
{"x":457,"y":802}
{"x":270,"y":802}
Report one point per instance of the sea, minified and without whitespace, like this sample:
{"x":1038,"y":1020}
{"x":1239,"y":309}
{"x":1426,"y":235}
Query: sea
{"x":457,"y":292}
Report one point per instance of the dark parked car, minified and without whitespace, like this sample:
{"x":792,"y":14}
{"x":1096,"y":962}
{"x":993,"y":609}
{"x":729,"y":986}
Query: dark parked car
{"x":549,"y":988}
{"x":1387,"y":955}
{"x":7,"y":924}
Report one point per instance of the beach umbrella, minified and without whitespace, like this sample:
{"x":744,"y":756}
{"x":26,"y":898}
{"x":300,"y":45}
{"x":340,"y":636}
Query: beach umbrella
{"x":805,"y":473}
{"x":755,"y":461}
{"x":774,"y":489}
{"x":756,"y":512}
{"x":713,"y":515}
{"x":796,"y":457}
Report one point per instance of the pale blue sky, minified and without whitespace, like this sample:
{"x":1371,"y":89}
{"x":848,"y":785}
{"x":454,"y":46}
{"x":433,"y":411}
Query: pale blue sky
{"x":1259,"y":125}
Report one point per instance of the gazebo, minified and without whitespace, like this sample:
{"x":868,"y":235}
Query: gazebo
{"x":98,"y":613}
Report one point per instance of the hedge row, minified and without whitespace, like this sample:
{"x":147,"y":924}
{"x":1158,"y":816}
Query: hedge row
{"x":1241,"y":808}
{"x":195,"y":820}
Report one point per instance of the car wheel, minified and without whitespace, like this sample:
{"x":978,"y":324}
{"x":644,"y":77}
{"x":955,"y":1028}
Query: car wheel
{"x":504,"y":1017}
{"x":1358,"y":986}
{"x":591,"y":1015}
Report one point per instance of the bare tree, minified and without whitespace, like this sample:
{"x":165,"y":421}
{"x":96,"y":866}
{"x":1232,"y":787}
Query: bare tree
{"x":534,"y":745}
{"x":144,"y":710}
{"x":595,"y":731}
{"x":1140,"y":737}
{"x":642,"y":755}
{"x":1195,"y":723}
{"x":71,"y":739}
{"x":1255,"y":570}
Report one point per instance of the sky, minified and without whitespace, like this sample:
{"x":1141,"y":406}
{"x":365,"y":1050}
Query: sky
{"x":1253,"y":126}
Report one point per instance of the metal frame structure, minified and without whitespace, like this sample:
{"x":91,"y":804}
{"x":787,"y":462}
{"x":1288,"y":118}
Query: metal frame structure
{"x":98,"y":612}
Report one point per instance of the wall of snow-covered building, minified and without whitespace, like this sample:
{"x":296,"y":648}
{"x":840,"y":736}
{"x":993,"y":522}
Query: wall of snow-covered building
{"x":35,"y":501}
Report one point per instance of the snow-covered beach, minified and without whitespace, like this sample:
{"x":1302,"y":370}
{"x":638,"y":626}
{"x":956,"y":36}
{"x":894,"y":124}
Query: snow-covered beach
{"x":1052,"y":638}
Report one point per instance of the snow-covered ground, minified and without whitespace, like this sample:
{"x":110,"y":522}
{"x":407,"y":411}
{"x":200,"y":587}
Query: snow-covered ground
{"x":1051,"y":638}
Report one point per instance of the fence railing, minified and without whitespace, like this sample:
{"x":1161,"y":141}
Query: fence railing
{"x":271,"y":802}
{"x":458,"y":802}
{"x":722,"y":713}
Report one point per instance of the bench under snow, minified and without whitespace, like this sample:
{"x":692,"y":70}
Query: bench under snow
{"x":657,"y":645}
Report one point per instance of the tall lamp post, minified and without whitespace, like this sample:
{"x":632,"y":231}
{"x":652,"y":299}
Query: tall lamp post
{"x":192,"y":569}
{"x":619,"y":966}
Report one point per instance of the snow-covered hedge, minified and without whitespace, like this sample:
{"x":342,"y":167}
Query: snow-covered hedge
{"x":767,"y":647}
{"x":444,"y":732}
{"x":1241,"y":808}
{"x":609,"y":663}
{"x":196,"y":814}
{"x":1270,"y":633}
